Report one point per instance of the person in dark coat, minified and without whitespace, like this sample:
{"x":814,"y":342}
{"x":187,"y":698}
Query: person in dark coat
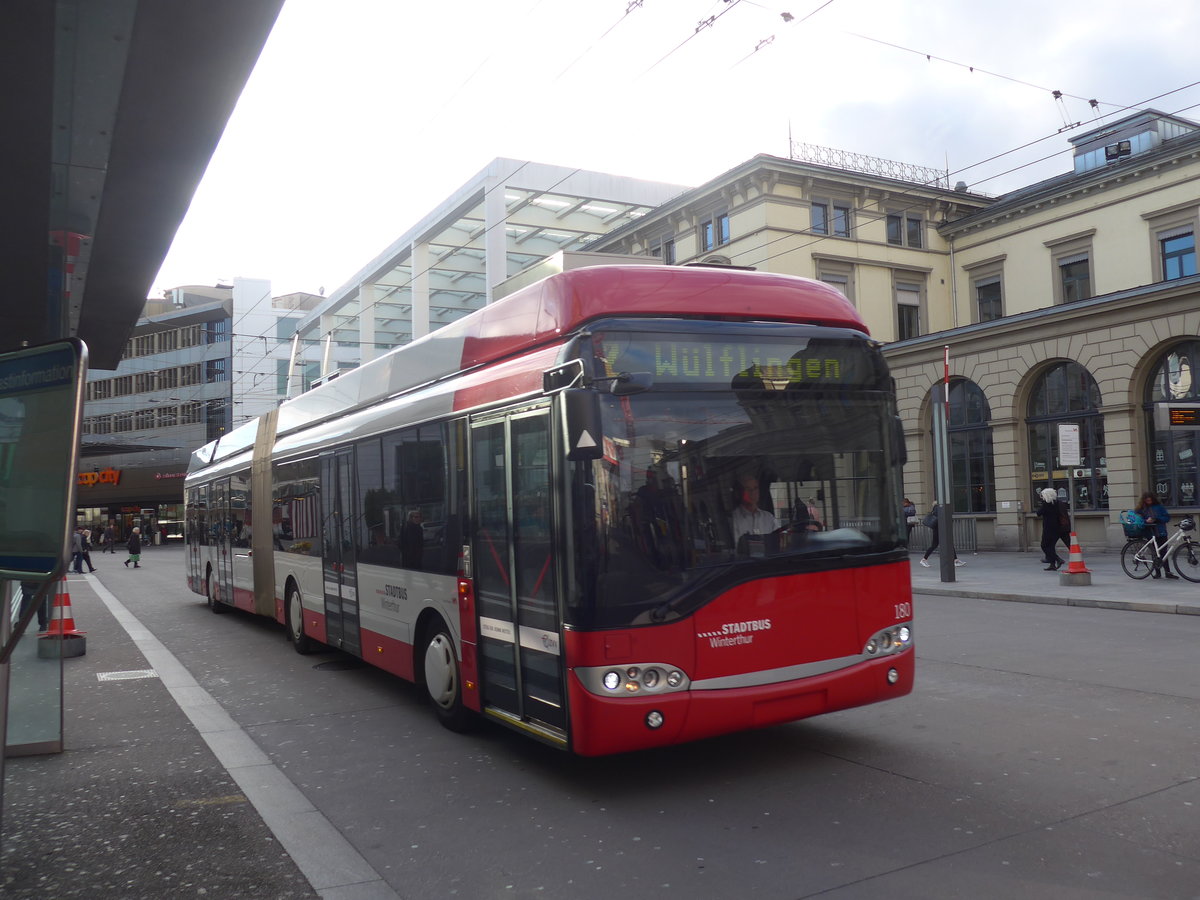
{"x":1157,"y":517}
{"x":135,"y":548}
{"x":1052,"y":531}
{"x":931,"y":522}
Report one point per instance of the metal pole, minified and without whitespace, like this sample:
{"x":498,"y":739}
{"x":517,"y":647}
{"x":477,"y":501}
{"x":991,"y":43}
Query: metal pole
{"x":945,"y":518}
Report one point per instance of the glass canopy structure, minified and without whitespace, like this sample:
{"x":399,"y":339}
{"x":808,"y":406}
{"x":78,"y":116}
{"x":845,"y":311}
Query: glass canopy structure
{"x":510,"y":216}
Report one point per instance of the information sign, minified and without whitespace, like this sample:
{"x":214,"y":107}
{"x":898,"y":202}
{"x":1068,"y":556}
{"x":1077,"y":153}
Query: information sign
{"x":1177,"y":416}
{"x":41,"y":391}
{"x":1068,"y":445}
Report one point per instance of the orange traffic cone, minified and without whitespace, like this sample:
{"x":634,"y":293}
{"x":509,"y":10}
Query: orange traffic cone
{"x":1075,"y":564}
{"x":62,"y":621}
{"x":62,"y":638}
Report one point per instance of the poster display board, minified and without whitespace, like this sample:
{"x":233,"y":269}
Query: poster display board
{"x":41,"y":404}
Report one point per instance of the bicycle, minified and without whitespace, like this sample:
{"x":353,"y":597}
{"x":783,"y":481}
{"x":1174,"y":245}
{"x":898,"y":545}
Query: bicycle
{"x":1140,"y":556}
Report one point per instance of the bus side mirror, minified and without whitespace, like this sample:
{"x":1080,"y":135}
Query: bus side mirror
{"x":582,"y":424}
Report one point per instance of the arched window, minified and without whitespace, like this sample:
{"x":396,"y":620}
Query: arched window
{"x":972,"y":476}
{"x":1173,"y":472}
{"x":1067,"y":394}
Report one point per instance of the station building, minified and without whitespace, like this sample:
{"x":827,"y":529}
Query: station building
{"x":1074,"y":300}
{"x":201,"y":360}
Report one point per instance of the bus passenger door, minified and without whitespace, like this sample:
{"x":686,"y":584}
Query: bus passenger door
{"x":222,"y":537}
{"x":515,"y":566}
{"x":339,"y":566}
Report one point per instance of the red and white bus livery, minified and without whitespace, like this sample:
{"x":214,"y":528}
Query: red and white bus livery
{"x":624,"y":507}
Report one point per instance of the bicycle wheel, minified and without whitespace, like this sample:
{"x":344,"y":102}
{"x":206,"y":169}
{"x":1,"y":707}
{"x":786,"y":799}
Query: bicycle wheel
{"x":1187,"y":560}
{"x":1135,"y":565}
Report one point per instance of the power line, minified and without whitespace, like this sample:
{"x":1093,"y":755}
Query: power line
{"x":971,"y":68}
{"x":700,"y":26}
{"x":633,"y":4}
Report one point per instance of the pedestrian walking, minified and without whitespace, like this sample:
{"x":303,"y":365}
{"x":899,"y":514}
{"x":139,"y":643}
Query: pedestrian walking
{"x":87,"y":549}
{"x":931,"y":522}
{"x":77,"y":551}
{"x":1053,"y":513}
{"x":135,"y":548}
{"x":108,"y":540}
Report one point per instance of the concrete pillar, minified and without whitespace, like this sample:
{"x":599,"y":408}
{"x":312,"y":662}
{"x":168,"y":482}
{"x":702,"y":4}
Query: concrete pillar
{"x":419,"y":259}
{"x":1125,"y":455}
{"x":367,"y":294}
{"x":1013,"y":503}
{"x":495,"y":236}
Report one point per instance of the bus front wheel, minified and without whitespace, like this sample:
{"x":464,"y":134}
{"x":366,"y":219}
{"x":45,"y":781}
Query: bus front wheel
{"x":295,"y":623}
{"x":443,"y":682}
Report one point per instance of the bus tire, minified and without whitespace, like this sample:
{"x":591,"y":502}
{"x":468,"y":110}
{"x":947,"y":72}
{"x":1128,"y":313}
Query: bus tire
{"x":443,"y":679}
{"x":294,"y":614}
{"x":210,"y":589}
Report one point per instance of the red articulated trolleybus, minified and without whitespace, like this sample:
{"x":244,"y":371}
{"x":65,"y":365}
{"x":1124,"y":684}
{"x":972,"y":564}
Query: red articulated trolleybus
{"x":624,"y":507}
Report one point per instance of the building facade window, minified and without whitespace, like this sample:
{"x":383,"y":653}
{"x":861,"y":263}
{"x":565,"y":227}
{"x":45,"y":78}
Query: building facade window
{"x":1173,"y":240}
{"x":908,"y":310}
{"x":987,"y":288}
{"x":972,"y":476}
{"x":1074,"y":278}
{"x":663,"y":247}
{"x":714,"y":231}
{"x":1177,"y":252}
{"x":837,"y":274}
{"x":218,"y":330}
{"x":832,"y":217}
{"x":1173,"y":454}
{"x":989,"y":300}
{"x":906,"y":229}
{"x":216,"y":370}
{"x":1066,"y":393}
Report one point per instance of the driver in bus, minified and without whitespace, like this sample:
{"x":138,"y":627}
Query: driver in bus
{"x":748,"y":519}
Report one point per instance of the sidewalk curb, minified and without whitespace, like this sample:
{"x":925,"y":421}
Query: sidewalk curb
{"x":1126,"y":605}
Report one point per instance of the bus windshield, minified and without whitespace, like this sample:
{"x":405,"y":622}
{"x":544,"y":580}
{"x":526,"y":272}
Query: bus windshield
{"x":703,"y":489}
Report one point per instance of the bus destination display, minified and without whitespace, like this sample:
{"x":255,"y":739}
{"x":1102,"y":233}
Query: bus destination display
{"x":688,"y":359}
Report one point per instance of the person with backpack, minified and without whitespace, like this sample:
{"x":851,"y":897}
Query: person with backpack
{"x":1156,"y":517}
{"x":1053,"y":513}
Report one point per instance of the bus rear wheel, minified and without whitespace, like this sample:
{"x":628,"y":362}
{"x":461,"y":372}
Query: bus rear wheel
{"x":210,"y":590}
{"x":443,"y":681}
{"x":294,"y":612}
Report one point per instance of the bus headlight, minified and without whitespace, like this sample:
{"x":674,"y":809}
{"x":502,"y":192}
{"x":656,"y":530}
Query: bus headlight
{"x":889,"y":641}
{"x":644,"y":678}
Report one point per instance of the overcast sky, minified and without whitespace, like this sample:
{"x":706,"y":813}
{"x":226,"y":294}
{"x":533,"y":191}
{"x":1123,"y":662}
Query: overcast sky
{"x":363,"y":115}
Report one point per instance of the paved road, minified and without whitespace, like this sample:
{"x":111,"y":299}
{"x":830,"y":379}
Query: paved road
{"x":1048,"y":751}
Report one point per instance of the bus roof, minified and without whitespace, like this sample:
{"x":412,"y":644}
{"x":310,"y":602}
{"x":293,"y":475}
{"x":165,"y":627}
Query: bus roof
{"x":551,"y":310}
